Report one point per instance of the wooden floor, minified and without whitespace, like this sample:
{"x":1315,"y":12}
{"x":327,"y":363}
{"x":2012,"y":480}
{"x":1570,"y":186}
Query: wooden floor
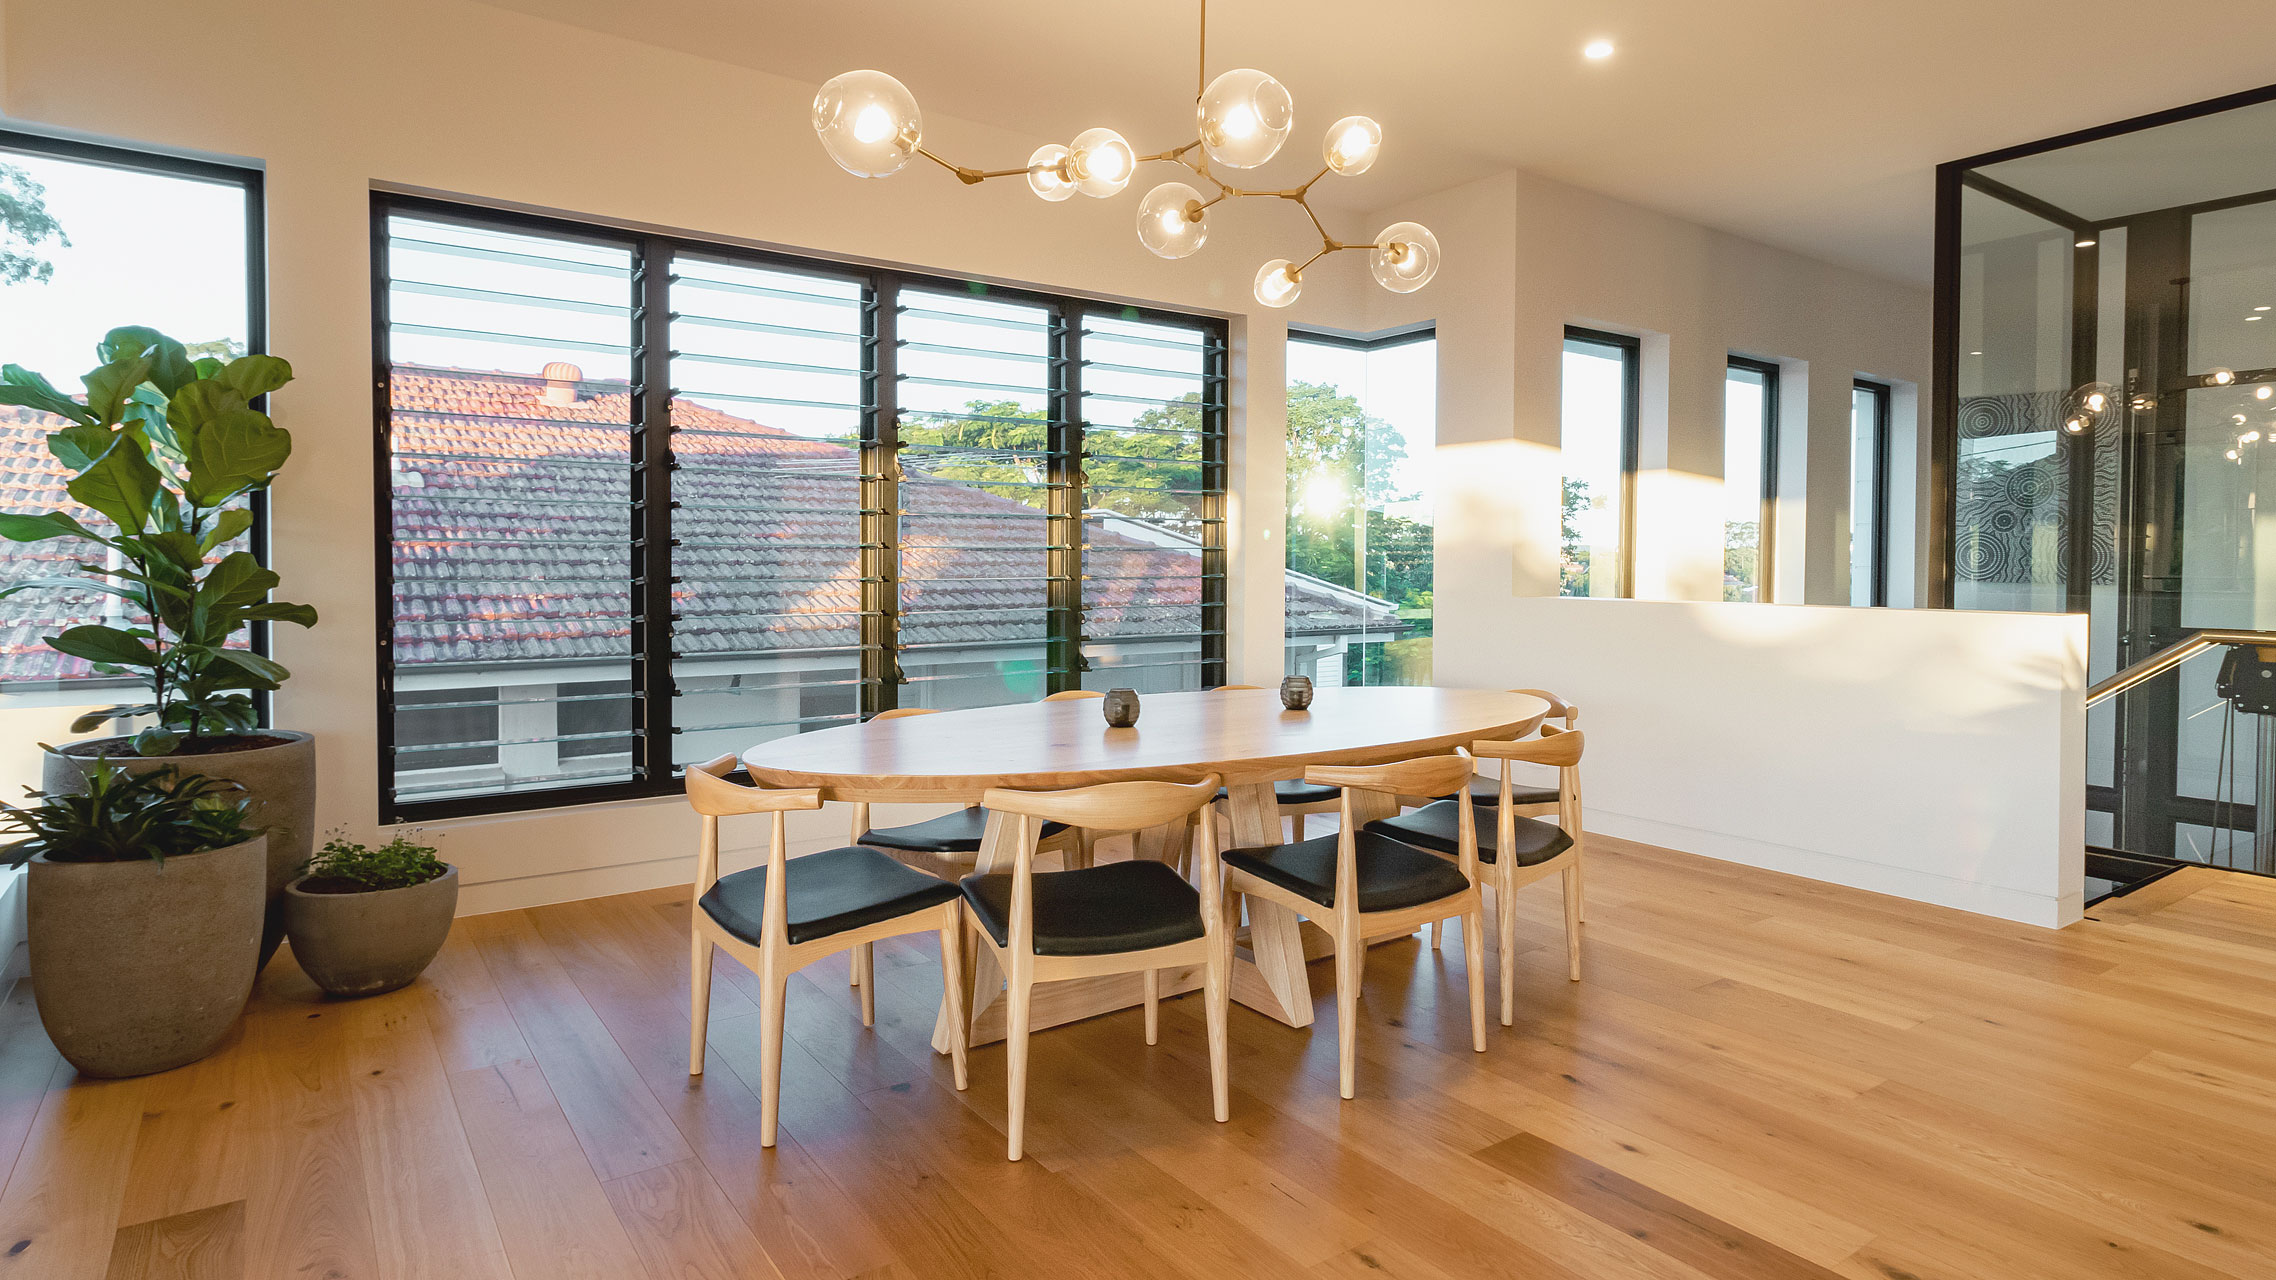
{"x":1761,"y":1079}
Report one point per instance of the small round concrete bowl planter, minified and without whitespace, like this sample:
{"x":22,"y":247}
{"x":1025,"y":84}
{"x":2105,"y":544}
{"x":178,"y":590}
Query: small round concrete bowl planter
{"x":144,"y":966}
{"x":366,"y":943}
{"x":275,"y":766}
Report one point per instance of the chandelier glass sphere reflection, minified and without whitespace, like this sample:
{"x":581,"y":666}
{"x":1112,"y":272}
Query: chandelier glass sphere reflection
{"x":869,"y":124}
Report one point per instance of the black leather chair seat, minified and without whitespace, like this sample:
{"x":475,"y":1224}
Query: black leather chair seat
{"x":1113,"y":907}
{"x":1391,"y":875}
{"x":957,"y":832}
{"x":1295,"y":791}
{"x":1433,"y":827}
{"x":1487,"y":792}
{"x":829,"y":892}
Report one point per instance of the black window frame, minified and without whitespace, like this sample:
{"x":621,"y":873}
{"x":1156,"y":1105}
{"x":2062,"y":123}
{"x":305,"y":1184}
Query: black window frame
{"x":252,"y":182}
{"x":1878,"y":531}
{"x":650,"y":466}
{"x":1631,"y":350}
{"x":1766,"y":523}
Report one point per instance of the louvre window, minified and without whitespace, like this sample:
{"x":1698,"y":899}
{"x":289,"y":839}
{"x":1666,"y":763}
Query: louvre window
{"x":650,"y":501}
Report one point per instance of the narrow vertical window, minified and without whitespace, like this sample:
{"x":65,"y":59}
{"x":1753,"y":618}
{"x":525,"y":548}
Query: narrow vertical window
{"x":1750,"y":469}
{"x":1868,"y":494}
{"x":1598,"y":442}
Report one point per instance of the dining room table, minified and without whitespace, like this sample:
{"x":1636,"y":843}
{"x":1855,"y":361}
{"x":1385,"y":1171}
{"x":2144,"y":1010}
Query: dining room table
{"x":1245,"y":737}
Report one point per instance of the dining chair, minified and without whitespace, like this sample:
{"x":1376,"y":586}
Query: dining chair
{"x":780,"y":917}
{"x":1296,"y":797}
{"x":1137,"y":915}
{"x":949,"y":845}
{"x":1522,"y":851}
{"x":1359,"y":884}
{"x":1072,"y":695}
{"x":1530,"y":799}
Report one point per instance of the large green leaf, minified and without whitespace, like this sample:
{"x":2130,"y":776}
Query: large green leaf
{"x":78,"y":447}
{"x":234,"y":452}
{"x":169,"y":363}
{"x":265,"y":673}
{"x":103,"y":644}
{"x":199,"y":403}
{"x":237,"y":581}
{"x":226,"y":525}
{"x":146,"y":413}
{"x":46,"y":525}
{"x":73,"y":584}
{"x":177,"y":548}
{"x":96,"y":719}
{"x":279,"y":611}
{"x":19,"y":385}
{"x":109,"y":386}
{"x":255,"y":375}
{"x":120,"y":484}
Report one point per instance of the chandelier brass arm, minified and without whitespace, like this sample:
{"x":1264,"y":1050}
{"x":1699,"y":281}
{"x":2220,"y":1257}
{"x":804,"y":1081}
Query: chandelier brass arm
{"x":868,"y":122}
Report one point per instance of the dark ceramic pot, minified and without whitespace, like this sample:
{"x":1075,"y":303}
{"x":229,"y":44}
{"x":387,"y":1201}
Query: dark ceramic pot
{"x":1296,"y":693}
{"x":1120,"y":707}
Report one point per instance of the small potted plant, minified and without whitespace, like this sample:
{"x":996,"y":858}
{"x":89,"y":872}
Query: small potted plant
{"x":364,"y":920}
{"x":165,"y":449}
{"x":144,"y":918}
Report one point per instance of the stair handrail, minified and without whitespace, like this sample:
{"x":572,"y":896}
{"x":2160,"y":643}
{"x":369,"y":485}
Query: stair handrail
{"x":2171,"y":656}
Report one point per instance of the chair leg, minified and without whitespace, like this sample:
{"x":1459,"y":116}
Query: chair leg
{"x":1351,"y":966}
{"x":865,"y":977}
{"x":1573,"y":920}
{"x":773,"y":990}
{"x":1153,"y":1006}
{"x":1474,"y":967}
{"x":1016,"y":1007}
{"x":1086,"y":849}
{"x":1216,"y":988}
{"x":1505,"y":942}
{"x":951,"y":992}
{"x":1580,"y":904}
{"x":699,"y":1002}
{"x":1442,"y":933}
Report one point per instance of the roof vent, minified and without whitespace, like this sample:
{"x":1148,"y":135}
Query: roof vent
{"x":561,"y":379}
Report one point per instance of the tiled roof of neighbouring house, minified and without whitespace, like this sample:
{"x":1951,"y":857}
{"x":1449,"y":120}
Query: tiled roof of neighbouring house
{"x":513,"y":517}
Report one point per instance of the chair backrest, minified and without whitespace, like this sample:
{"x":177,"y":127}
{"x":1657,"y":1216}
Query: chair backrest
{"x":1558,"y":707}
{"x":1229,"y":688}
{"x":1425,"y":776}
{"x":1558,"y":748}
{"x":713,"y":796}
{"x":900,"y":712}
{"x":1071,"y":695}
{"x":1111,"y":806}
{"x":1555,"y":747}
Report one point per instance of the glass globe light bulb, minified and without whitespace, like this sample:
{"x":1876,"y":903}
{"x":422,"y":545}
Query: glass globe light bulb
{"x":1171,"y":220}
{"x":1405,"y":257}
{"x":1046,"y":173}
{"x":1244,"y":115}
{"x":1101,"y":162}
{"x":2263,"y":392}
{"x":868,"y":122}
{"x":2084,"y":408}
{"x":1277,"y":283}
{"x":2220,"y":377}
{"x":1352,"y":145}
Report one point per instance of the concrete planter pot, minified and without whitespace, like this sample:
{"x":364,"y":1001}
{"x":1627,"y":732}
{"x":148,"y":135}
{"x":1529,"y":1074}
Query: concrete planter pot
{"x":144,"y":966}
{"x":361,"y":944}
{"x":280,"y":775}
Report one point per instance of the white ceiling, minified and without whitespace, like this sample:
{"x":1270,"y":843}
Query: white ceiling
{"x":1809,"y":125}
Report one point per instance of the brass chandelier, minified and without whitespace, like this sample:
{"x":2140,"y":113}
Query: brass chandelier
{"x":868,"y":122}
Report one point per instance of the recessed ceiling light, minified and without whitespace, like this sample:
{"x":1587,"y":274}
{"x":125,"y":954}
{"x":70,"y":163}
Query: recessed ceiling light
{"x":2252,"y":317}
{"x":1975,"y":353}
{"x":2260,"y":308}
{"x":1597,"y":50}
{"x":2083,"y":244}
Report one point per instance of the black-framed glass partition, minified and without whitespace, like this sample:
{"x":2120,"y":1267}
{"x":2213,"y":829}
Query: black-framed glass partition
{"x":2105,"y":427}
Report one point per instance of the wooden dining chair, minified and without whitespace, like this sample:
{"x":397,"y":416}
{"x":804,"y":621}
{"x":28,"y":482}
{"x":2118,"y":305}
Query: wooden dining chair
{"x":780,"y":917}
{"x":1530,"y":799}
{"x":1119,"y":917}
{"x":1360,"y":884}
{"x":948,"y":846}
{"x":1523,"y":849}
{"x":1294,"y":796}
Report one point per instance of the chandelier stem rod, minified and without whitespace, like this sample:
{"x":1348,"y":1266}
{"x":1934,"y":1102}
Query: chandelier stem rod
{"x":1201,"y":56}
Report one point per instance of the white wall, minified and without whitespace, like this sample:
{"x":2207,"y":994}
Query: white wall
{"x":453,"y":97}
{"x":1935,"y":755}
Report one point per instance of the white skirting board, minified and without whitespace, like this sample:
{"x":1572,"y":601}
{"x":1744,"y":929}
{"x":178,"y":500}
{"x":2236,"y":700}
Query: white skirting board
{"x":1936,"y":755}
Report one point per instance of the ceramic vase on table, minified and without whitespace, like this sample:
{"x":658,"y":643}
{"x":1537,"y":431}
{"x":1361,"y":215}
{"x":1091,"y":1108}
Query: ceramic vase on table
{"x":1120,"y":707}
{"x":1296,"y":693}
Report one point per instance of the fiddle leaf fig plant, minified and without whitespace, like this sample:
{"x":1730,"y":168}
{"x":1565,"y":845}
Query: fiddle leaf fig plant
{"x":160,"y":447}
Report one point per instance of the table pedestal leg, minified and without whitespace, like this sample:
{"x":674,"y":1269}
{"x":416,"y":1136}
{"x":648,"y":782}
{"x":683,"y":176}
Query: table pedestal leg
{"x":1271,"y":979}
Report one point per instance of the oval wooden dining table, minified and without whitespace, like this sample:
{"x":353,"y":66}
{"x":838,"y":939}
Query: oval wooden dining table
{"x":1243,"y":736}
